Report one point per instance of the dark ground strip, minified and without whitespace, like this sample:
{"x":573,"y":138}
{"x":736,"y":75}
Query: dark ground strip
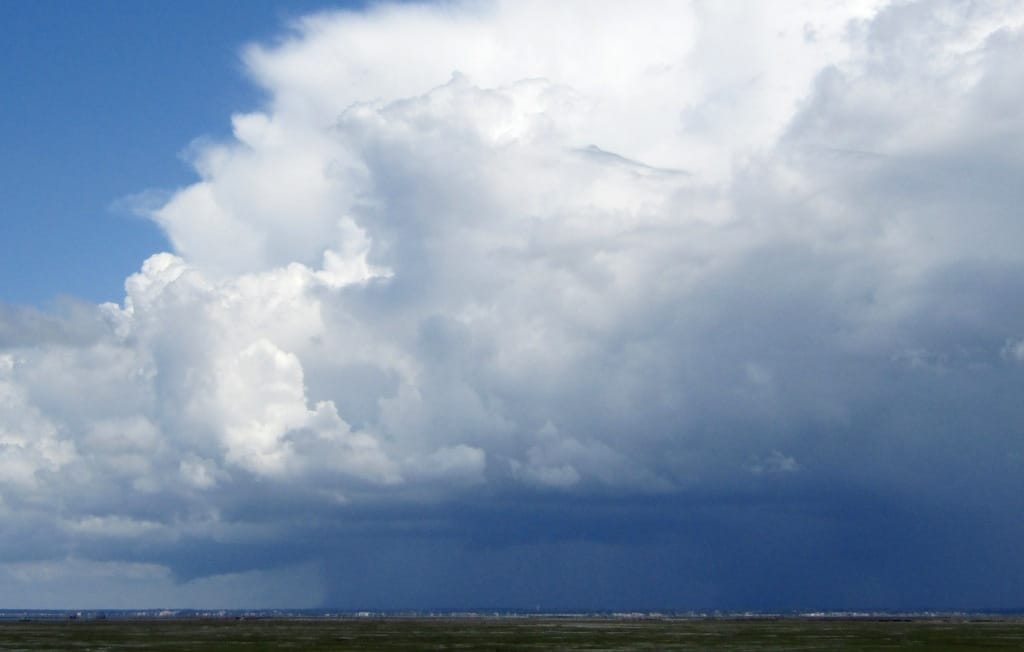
{"x":514,"y":634}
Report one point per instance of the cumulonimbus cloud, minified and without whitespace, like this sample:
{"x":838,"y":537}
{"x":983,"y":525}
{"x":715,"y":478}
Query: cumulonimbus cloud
{"x":518,"y":248}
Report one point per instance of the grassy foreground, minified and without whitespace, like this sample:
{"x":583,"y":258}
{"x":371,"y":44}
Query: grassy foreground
{"x":514,"y":634}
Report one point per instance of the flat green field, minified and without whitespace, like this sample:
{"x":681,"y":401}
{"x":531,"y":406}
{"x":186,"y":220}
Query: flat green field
{"x":514,"y":634}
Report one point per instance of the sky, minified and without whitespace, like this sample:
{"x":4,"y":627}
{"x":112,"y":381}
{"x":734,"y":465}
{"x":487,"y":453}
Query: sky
{"x":512,"y":304}
{"x":103,"y":99}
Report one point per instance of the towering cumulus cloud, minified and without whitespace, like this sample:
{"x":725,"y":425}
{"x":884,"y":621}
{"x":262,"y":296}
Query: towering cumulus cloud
{"x":597,"y":304}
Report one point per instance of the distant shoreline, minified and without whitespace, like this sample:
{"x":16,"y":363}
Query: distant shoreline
{"x":61,"y":615}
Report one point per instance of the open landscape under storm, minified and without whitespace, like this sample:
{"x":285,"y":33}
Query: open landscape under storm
{"x":168,"y":630}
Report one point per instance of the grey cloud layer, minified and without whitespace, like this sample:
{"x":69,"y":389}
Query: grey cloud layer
{"x":525,"y":304}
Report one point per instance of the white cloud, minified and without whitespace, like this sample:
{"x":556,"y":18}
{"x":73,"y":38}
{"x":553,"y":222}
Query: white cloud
{"x":585,"y":248}
{"x":29,"y":442}
{"x":776,"y":462}
{"x":1014,"y":350}
{"x":112,"y":526}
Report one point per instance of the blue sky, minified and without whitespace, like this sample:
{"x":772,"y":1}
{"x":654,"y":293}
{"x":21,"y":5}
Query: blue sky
{"x":512,"y":304}
{"x":103,"y":98}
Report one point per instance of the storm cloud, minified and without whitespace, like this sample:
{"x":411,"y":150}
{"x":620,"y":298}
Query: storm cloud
{"x":667,"y":305}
